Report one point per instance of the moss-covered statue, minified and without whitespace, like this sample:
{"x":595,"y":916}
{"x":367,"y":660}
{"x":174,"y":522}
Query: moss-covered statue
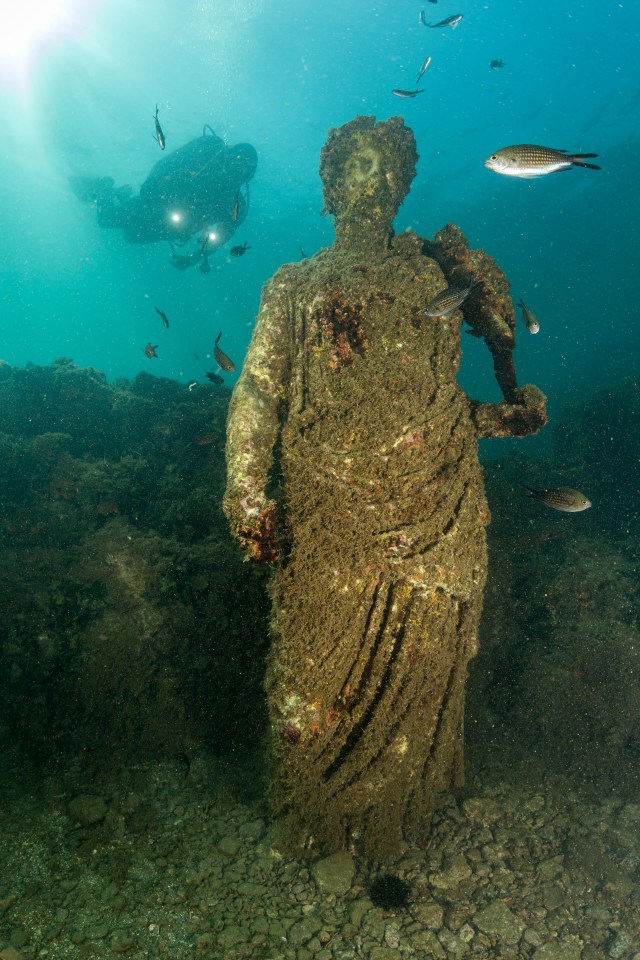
{"x":376,"y":514}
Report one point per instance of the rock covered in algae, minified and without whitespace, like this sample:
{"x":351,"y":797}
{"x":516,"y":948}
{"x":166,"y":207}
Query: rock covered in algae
{"x":120,"y":590}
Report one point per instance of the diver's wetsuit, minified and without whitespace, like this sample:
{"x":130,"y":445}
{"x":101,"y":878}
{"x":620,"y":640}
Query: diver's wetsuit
{"x":195,"y":188}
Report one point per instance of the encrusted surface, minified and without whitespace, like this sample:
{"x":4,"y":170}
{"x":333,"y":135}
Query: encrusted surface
{"x":382,"y":514}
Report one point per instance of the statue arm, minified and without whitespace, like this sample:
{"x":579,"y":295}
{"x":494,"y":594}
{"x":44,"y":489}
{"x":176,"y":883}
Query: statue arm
{"x":255,"y":416}
{"x":490,"y":314}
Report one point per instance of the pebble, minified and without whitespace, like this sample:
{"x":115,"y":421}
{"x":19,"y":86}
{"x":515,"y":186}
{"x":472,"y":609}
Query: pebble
{"x":229,"y":847}
{"x":499,"y":921}
{"x":87,"y":809}
{"x":507,"y":874}
{"x":334,"y":874}
{"x":559,"y":950}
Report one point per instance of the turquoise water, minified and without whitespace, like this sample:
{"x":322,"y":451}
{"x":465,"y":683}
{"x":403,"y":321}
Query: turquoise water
{"x":279,"y":75}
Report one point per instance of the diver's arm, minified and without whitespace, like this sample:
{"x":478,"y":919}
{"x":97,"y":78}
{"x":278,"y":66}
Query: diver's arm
{"x":254,"y":421}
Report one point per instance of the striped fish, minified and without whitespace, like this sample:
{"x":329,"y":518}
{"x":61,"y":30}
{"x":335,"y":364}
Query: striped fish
{"x":526,"y":160}
{"x":448,"y":300}
{"x":560,"y":498}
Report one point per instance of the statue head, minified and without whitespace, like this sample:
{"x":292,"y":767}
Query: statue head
{"x":366,"y":170}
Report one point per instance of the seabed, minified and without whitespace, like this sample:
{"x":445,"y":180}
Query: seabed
{"x":133,"y":817}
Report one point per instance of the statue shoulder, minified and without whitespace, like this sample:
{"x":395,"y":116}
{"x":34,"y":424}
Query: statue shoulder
{"x":408,"y":244}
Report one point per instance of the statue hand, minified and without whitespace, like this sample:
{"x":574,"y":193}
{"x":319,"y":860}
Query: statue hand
{"x":254,"y":525}
{"x":526,"y":415}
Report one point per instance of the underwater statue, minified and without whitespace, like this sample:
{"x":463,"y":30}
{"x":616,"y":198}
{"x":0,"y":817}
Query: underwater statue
{"x":374,"y":512}
{"x":200,"y":188}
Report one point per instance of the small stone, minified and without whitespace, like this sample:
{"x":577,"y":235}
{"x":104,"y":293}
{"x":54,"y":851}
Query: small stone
{"x":428,"y":944}
{"x":249,"y":889}
{"x":121,"y":944}
{"x":553,"y":896}
{"x":621,"y":945}
{"x":87,"y":809}
{"x":302,"y":931}
{"x":466,"y":933}
{"x":532,"y":937}
{"x":7,"y":902}
{"x":204,"y":941}
{"x":457,"y":870}
{"x":482,"y":810}
{"x":383,"y":953}
{"x":430,"y":915}
{"x":357,"y":910}
{"x":229,"y":847}
{"x":497,"y":920}
{"x":392,"y":935}
{"x":334,"y":874}
{"x":230,"y":936}
{"x":10,"y":953}
{"x":559,"y":950}
{"x":253,"y":830}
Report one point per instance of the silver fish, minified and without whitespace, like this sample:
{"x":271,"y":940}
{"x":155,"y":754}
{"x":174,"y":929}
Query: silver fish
{"x":448,"y":300}
{"x":560,"y":498}
{"x":423,"y":68}
{"x":159,"y":134}
{"x":448,"y":22}
{"x":406,"y":94}
{"x":529,"y":317}
{"x":527,"y":160}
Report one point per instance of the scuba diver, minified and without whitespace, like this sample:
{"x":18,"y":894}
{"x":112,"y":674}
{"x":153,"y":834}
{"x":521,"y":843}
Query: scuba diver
{"x":199,"y":189}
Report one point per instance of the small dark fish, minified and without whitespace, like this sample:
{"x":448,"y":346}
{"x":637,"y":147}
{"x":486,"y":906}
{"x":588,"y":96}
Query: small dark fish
{"x":163,"y":316}
{"x":222,"y":359}
{"x":448,"y":22}
{"x":448,"y":300}
{"x":529,"y":317}
{"x":406,"y":94}
{"x":159,"y":134}
{"x":240,"y":250}
{"x":560,"y":498}
{"x":204,"y":439}
{"x":150,"y":351}
{"x":423,"y":69}
{"x":214,"y":377}
{"x":205,"y":266}
{"x":497,"y":64}
{"x":528,"y":160}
